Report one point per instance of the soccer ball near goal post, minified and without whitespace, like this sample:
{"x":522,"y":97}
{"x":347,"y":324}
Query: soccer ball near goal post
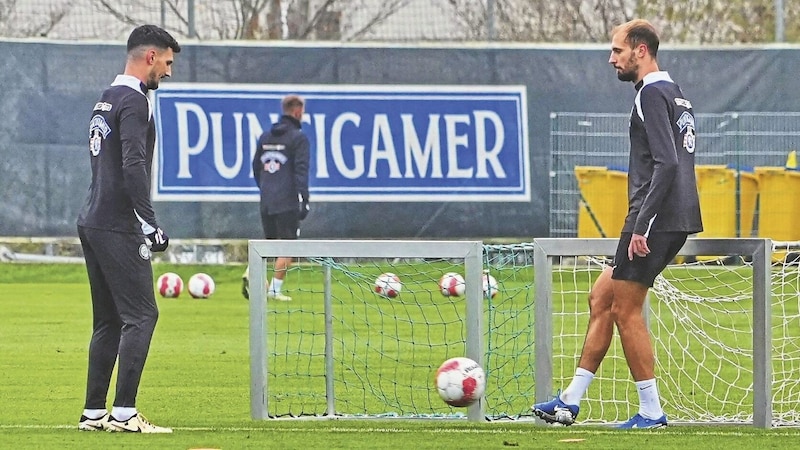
{"x":388,"y":285}
{"x":452,"y":284}
{"x":460,"y":381}
{"x":490,"y":288}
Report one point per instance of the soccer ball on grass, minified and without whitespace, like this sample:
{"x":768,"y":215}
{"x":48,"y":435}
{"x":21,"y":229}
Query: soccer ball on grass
{"x":201,"y":285}
{"x":169,"y":285}
{"x":490,"y":288}
{"x":452,"y":284}
{"x":388,"y":285}
{"x":460,"y":381}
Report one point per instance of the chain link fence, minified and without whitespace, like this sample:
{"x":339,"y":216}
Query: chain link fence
{"x":702,"y":23}
{"x":208,"y":20}
{"x":732,"y":149}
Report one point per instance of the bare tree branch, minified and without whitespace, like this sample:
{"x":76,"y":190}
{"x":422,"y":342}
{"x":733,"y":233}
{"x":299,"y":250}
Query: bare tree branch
{"x":318,"y":14}
{"x":387,"y":10}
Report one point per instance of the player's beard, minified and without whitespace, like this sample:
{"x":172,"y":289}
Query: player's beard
{"x":631,"y":73}
{"x":152,"y":81}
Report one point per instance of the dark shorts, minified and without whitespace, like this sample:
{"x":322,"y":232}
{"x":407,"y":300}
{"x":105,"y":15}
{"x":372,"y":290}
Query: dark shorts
{"x":663,"y":248}
{"x":285,"y":225}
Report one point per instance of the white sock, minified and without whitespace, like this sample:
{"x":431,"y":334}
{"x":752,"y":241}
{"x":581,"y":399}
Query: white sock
{"x":649,"y":403}
{"x":275,"y":285}
{"x":123,"y":414}
{"x":573,"y":394}
{"x":95,"y":414}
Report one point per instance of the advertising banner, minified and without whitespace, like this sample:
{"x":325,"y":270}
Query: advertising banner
{"x":368,"y":143}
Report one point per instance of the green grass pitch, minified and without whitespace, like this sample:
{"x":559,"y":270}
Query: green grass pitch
{"x":197,"y":381}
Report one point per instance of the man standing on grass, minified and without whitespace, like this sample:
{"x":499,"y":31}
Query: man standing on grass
{"x":280,"y":169}
{"x":115,"y":227}
{"x":663,"y":209}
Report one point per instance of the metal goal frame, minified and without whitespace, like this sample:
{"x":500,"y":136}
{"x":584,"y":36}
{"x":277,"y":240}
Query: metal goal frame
{"x":760,"y":250}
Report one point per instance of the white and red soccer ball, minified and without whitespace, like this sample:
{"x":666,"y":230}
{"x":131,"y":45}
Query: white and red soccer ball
{"x":460,"y":381}
{"x":169,"y":285}
{"x":201,"y":285}
{"x":490,"y":288}
{"x":452,"y":284}
{"x":388,"y":285}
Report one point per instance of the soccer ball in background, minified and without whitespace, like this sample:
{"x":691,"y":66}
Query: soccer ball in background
{"x":490,"y":288}
{"x":460,"y":381}
{"x":452,"y":284}
{"x":388,"y":285}
{"x":169,"y":285}
{"x":201,"y":285}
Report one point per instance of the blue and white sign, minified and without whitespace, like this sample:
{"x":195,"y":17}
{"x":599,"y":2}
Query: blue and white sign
{"x":368,"y":143}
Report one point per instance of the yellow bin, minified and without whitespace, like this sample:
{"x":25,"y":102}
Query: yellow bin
{"x":604,"y":201}
{"x":779,"y":204}
{"x":717,"y":188}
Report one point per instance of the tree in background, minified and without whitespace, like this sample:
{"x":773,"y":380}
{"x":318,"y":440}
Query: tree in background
{"x":680,"y":21}
{"x":47,"y":18}
{"x":540,"y":20}
{"x":264,"y":19}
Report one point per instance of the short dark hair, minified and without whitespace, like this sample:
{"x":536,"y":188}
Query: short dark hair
{"x":152,"y":35}
{"x":640,"y":31}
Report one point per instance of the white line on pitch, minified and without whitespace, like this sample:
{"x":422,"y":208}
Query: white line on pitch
{"x":537,"y":430}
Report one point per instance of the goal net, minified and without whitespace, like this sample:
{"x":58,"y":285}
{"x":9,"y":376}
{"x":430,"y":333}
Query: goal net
{"x":725,"y":330}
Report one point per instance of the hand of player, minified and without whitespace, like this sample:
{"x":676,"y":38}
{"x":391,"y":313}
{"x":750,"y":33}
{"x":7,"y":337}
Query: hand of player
{"x":159,"y":241}
{"x":304,"y":210}
{"x":638,"y":247}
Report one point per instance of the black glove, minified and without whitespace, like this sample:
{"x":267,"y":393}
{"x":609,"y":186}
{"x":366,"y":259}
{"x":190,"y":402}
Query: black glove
{"x":159,"y":241}
{"x":304,"y":209}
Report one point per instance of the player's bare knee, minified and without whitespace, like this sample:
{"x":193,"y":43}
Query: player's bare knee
{"x":626,"y":316}
{"x":600,"y":301}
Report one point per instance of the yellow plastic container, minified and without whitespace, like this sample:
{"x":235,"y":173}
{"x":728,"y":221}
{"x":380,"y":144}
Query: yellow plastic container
{"x":717,"y":188}
{"x":604,"y":201}
{"x":779,"y":203}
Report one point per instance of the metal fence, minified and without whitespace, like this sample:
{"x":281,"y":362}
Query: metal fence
{"x":741,"y":141}
{"x":210,"y":20}
{"x":391,"y":20}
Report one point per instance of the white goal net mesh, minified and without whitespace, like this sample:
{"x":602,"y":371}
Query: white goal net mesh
{"x":386,"y":350}
{"x":701,"y":322}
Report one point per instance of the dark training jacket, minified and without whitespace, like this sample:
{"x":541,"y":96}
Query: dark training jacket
{"x":662,"y":187}
{"x":121,"y":144}
{"x":280,"y":167}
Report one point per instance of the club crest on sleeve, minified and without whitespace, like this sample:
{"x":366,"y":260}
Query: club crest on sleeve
{"x":686,"y":120}
{"x":98,"y":130}
{"x":686,"y":125}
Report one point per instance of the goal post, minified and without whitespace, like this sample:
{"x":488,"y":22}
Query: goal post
{"x":329,"y":253}
{"x":549,"y":252}
{"x":723,"y":320}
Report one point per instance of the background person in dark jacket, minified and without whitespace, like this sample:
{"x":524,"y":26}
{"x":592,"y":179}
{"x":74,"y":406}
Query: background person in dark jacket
{"x":280,"y":168}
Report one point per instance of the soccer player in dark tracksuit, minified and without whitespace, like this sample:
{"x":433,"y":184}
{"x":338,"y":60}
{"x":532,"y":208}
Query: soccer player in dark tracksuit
{"x":280,"y":169}
{"x":114,"y":228}
{"x":663,"y":209}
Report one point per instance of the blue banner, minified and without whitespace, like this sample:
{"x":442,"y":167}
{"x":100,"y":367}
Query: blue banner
{"x":368,"y":143}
